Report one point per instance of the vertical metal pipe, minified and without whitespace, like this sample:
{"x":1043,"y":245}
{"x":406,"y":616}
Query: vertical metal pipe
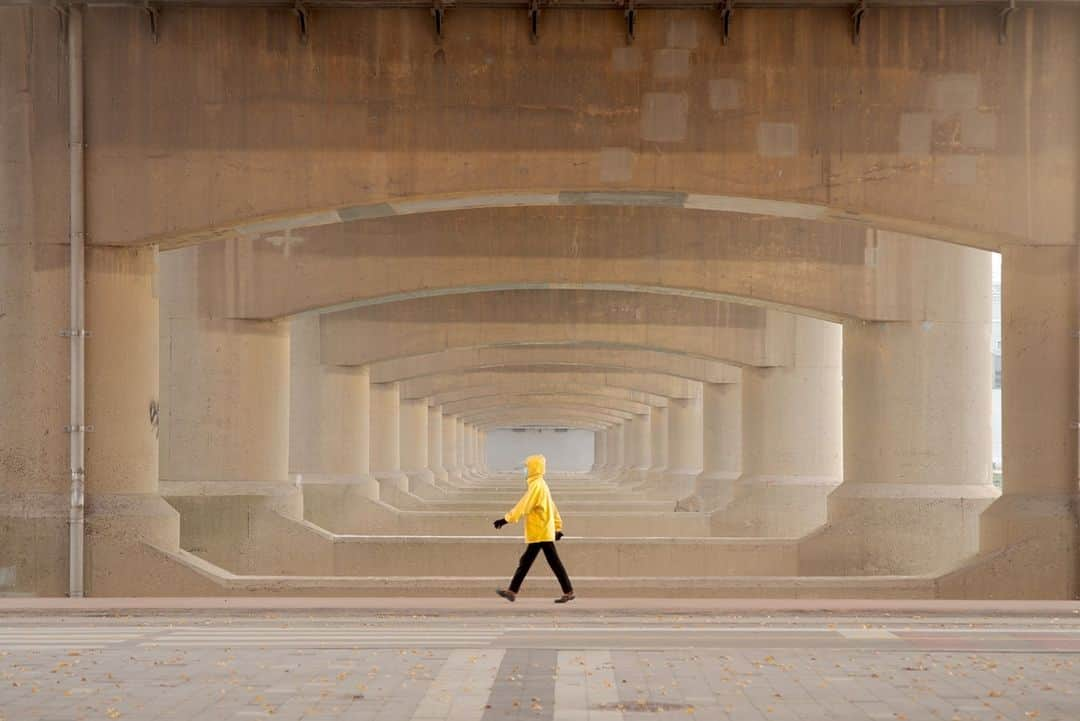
{"x":77,"y":331}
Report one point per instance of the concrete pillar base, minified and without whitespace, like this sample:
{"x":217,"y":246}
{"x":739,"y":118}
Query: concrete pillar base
{"x":34,"y":543}
{"x":250,"y":527}
{"x":116,"y":527}
{"x":397,"y":497}
{"x":711,"y":491}
{"x":139,"y":516}
{"x":133,"y":549}
{"x":673,"y":485}
{"x":774,"y":506}
{"x":1030,"y":550}
{"x":896,"y":529}
{"x":338,"y":504}
{"x":34,"y":539}
{"x":422,"y":483}
{"x":395,"y":480}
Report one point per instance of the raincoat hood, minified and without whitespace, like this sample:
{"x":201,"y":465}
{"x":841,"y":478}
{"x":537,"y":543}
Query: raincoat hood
{"x":535,"y":467}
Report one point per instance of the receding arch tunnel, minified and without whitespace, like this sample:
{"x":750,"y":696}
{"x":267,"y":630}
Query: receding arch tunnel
{"x":319,"y":277}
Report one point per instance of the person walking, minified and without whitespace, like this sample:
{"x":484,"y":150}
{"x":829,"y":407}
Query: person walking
{"x":543,"y":526}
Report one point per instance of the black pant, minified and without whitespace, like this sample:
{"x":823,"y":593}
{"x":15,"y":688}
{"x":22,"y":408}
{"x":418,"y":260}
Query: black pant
{"x":531,"y":552}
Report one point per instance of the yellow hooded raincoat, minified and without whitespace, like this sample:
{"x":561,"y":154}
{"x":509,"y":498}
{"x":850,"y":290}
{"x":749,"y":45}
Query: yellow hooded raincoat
{"x":541,"y":516}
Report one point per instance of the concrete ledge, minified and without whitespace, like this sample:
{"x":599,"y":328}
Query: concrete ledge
{"x":465,"y":556}
{"x":175,"y":573}
{"x":405,"y":606}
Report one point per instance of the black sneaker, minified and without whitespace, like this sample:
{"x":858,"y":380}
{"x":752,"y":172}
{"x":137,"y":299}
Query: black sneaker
{"x":508,"y":595}
{"x":566,"y":598}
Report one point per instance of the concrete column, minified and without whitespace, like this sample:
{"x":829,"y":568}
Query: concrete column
{"x":611,"y":465}
{"x":637,"y":446}
{"x":35,"y":480}
{"x":450,"y":449}
{"x":463,"y":467}
{"x":225,"y":431}
{"x":414,"y":443}
{"x":435,"y":444}
{"x":599,"y":453}
{"x":386,"y":438}
{"x":329,"y":411}
{"x":722,"y":445}
{"x":604,"y":462}
{"x":616,"y":450}
{"x":481,"y":450}
{"x":34,"y":371}
{"x":465,"y":450}
{"x":478,"y":456}
{"x":1028,"y":537}
{"x":658,"y":441}
{"x":791,"y":420}
{"x":226,"y":383}
{"x":916,"y":434}
{"x":470,"y":449}
{"x":123,"y":508}
{"x":684,"y":447}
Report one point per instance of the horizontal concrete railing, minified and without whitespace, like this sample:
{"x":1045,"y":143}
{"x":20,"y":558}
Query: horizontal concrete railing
{"x":190,"y":574}
{"x":609,"y":557}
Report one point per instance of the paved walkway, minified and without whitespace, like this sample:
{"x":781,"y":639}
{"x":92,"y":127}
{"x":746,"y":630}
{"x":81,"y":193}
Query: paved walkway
{"x":301,"y":604}
{"x":537,"y":664}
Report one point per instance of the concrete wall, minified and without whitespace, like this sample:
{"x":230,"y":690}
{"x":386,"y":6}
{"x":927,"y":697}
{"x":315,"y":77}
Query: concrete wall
{"x":931,"y":122}
{"x":569,"y":451}
{"x":790,"y":168}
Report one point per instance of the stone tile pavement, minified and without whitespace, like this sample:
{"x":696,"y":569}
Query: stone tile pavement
{"x":537,"y":667}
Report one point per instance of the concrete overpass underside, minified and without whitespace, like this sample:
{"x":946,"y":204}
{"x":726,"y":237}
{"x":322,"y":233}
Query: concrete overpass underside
{"x":265,"y":297}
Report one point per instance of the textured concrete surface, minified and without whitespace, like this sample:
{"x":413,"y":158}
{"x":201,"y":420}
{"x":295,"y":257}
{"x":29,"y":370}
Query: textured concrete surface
{"x":488,"y":202}
{"x":569,"y":665}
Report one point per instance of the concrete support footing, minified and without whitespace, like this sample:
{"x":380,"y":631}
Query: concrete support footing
{"x":1031,"y":548}
{"x":774,"y":506}
{"x":893,"y":528}
{"x":250,"y":528}
{"x":339,"y":504}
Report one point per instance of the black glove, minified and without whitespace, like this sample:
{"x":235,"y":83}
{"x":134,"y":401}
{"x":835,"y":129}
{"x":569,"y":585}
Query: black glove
{"x":558,"y":535}
{"x":499,"y":523}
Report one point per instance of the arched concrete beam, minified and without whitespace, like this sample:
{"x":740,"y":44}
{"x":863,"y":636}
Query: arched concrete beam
{"x":512,"y":422}
{"x":569,"y":417}
{"x":520,"y":388}
{"x":727,"y":332}
{"x":560,"y":358}
{"x":810,"y":267}
{"x":612,"y":415}
{"x":470,"y":405}
{"x":447,"y":386}
{"x":278,"y":229}
{"x":796,"y":149}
